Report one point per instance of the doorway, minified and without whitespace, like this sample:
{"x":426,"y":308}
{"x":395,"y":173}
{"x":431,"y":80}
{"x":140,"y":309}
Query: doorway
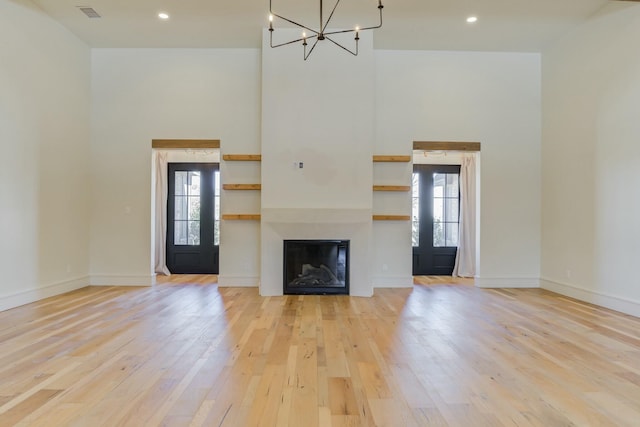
{"x":193,"y":218}
{"x":435,"y":218}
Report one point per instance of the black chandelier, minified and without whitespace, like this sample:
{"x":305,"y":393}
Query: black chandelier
{"x":321,"y":33}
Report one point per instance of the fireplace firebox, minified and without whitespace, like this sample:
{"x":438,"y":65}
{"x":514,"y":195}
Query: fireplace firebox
{"x":316,"y":267}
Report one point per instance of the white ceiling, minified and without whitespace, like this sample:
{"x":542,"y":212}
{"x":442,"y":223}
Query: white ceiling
{"x":503,"y":25}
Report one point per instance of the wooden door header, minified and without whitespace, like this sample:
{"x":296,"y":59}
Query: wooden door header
{"x":184,"y":144}
{"x":446,"y":146}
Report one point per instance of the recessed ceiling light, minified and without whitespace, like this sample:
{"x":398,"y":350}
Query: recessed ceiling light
{"x":163,"y":15}
{"x":472,"y":19}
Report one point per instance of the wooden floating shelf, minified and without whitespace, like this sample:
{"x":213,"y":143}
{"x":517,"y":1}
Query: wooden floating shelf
{"x":240,"y":217}
{"x":242,"y":157}
{"x":391,"y":187}
{"x":241,"y":186}
{"x":397,"y":159}
{"x":391,"y":217}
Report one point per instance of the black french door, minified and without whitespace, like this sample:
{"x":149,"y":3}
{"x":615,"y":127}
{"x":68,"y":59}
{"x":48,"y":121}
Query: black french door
{"x":435,"y":218}
{"x":193,"y":218}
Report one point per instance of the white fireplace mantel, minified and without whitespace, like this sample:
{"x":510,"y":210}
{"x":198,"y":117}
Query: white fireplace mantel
{"x":279,"y":224}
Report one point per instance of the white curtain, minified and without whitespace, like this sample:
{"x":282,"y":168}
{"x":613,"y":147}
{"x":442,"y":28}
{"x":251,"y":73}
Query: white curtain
{"x":465,"y":265}
{"x":160,"y":232}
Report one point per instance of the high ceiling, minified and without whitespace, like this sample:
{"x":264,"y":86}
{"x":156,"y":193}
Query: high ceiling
{"x":503,"y":25}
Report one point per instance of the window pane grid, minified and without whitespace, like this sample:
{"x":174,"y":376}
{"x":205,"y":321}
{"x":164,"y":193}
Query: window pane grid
{"x":415,"y":210}
{"x":187,"y":208}
{"x":216,"y":209}
{"x":446,"y":210}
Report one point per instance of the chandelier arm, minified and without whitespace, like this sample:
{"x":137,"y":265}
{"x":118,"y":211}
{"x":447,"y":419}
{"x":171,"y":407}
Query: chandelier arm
{"x":291,"y":42}
{"x":339,"y":45}
{"x":295,"y":23}
{"x":324,"y":27}
{"x":359,"y":29}
{"x":306,"y":55}
{"x":376,"y":26}
{"x":344,"y":31}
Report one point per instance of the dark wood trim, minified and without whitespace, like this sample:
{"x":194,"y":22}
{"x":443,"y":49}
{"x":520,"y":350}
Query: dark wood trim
{"x":446,"y":146}
{"x":183,"y":144}
{"x":395,"y":158}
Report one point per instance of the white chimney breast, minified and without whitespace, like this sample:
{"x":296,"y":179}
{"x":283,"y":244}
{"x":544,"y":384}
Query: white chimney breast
{"x":318,"y":114}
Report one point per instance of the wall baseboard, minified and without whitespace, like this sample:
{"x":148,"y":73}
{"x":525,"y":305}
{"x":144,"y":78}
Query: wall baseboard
{"x":612,"y":302}
{"x":507,"y":282}
{"x":238,"y":281}
{"x":392,"y":281}
{"x":32,"y":295}
{"x":115,"y":280}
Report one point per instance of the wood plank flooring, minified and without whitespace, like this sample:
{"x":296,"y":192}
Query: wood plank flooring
{"x":187,"y":353}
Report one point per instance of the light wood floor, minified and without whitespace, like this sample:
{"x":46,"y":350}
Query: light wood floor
{"x":194,"y":355}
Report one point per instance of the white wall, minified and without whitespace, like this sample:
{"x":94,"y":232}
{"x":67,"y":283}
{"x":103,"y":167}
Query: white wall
{"x":494,"y":98}
{"x":44,"y":134}
{"x":142,"y":94}
{"x":591,"y":161}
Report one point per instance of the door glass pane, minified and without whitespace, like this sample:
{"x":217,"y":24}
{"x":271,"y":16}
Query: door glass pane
{"x":452,"y":185}
{"x":415,"y":187}
{"x":439,"y":181}
{"x":194,"y":208}
{"x":180,"y":233}
{"x":452,"y":234}
{"x":186,"y":208}
{"x":216,"y":209}
{"x":180,"y":183}
{"x":194,"y":183}
{"x":438,"y":235}
{"x":180,"y":208}
{"x":446,"y":209}
{"x":451,"y":209}
{"x":438,"y":209}
{"x":194,"y":233}
{"x":415,"y":210}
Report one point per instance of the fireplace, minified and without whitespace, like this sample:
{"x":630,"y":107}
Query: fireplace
{"x":316,"y":267}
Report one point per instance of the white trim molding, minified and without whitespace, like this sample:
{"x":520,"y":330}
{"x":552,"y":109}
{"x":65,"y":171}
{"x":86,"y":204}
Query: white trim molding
{"x":32,"y":295}
{"x":623,"y":305}
{"x":225,"y":281}
{"x":392,"y":281}
{"x":507,"y":282}
{"x":115,"y":280}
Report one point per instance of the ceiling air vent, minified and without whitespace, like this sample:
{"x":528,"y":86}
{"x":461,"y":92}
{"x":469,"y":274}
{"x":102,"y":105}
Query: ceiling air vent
{"x":89,"y":11}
